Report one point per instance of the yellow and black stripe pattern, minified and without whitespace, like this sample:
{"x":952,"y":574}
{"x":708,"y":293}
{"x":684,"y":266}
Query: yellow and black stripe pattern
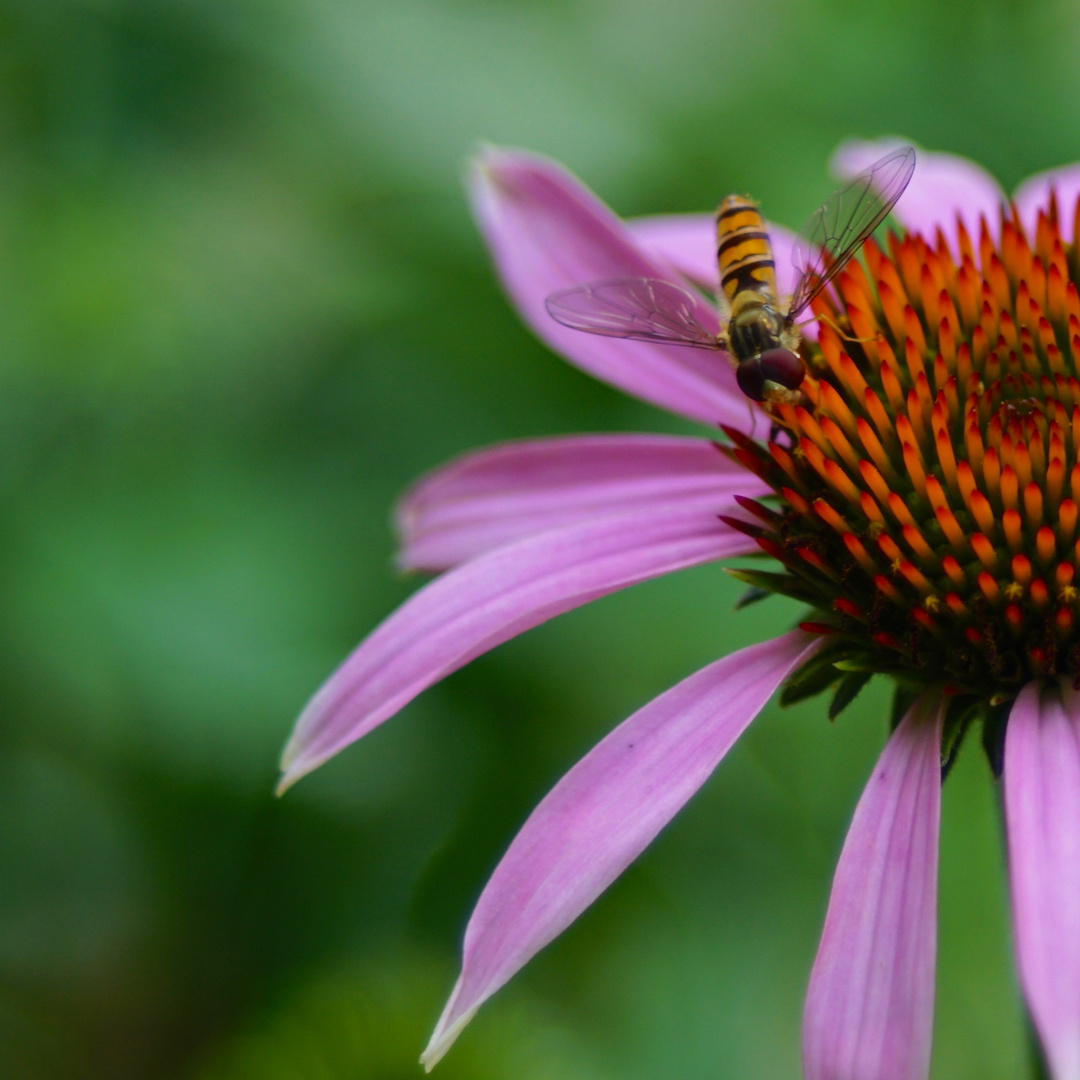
{"x":747,"y":270}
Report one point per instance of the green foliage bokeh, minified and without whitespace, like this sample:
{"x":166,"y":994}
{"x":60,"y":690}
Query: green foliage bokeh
{"x":241,"y":305}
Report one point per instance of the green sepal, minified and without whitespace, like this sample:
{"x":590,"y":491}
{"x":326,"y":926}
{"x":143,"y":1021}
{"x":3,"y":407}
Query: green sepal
{"x":961,"y":712}
{"x":853,"y":664}
{"x":848,"y":690}
{"x":784,"y":584}
{"x":752,"y":596}
{"x":993,"y":735}
{"x":813,"y":678}
{"x":903,"y":698}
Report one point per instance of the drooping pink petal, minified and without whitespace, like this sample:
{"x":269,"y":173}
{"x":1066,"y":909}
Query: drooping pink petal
{"x":1033,"y":195}
{"x":547,"y":232}
{"x":870,"y":1006}
{"x":491,"y":599}
{"x":944,"y":186}
{"x":604,"y":813}
{"x":1042,"y":817}
{"x":688,"y":242}
{"x":496,"y":496}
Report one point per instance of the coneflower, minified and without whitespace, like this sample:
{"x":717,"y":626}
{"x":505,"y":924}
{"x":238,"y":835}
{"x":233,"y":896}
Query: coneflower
{"x":922,"y":500}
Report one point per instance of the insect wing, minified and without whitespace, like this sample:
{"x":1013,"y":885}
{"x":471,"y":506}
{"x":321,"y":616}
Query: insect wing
{"x":840,"y":225}
{"x":644,"y":309}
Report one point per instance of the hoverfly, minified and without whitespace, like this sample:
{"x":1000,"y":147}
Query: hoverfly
{"x":761,"y":342}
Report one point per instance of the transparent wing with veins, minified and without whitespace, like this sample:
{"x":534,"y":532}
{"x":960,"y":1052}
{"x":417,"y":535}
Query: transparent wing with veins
{"x":643,"y":309}
{"x":839,"y":226}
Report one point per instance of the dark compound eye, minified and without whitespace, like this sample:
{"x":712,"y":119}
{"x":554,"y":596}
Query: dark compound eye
{"x":751,"y":379}
{"x":782,"y":366}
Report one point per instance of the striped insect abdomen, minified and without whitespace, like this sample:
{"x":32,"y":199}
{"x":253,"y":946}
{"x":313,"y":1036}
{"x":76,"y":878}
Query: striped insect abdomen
{"x":747,"y":270}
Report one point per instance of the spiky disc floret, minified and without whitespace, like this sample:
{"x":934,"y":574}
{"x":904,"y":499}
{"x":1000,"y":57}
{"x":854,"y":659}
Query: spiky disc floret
{"x":929,"y":483}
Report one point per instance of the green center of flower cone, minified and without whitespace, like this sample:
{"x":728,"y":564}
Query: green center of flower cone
{"x":928,"y":485}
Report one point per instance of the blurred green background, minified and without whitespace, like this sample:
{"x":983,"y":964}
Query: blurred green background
{"x":241,"y":305}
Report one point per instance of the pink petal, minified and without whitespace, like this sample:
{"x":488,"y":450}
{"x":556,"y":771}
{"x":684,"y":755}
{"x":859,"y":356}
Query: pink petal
{"x":547,"y":232}
{"x":487,"y":499}
{"x":784,"y":242}
{"x":1033,"y":195}
{"x":489,"y":600}
{"x":1042,"y":818}
{"x":870,"y":1006}
{"x":944,"y":186}
{"x":604,"y":812}
{"x":688,"y":242}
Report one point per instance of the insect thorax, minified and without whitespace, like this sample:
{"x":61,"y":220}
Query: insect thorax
{"x":756,"y":328}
